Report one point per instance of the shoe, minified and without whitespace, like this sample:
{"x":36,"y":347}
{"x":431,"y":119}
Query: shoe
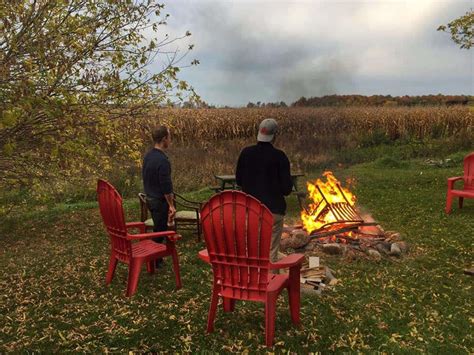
{"x":159,"y":263}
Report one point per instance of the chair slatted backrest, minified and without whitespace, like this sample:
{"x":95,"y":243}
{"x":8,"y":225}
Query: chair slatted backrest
{"x":111,"y":209}
{"x":469,"y":172}
{"x":238,"y":229}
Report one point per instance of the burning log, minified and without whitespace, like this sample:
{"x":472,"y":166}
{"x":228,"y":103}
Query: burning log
{"x":332,"y":207}
{"x":333,"y":213}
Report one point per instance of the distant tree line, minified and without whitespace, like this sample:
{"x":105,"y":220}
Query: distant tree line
{"x":345,"y":100}
{"x":268,"y":104}
{"x":384,"y":100}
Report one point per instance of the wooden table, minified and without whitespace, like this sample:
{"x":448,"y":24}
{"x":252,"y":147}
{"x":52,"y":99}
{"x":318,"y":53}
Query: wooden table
{"x":226,"y":182}
{"x":229,"y":181}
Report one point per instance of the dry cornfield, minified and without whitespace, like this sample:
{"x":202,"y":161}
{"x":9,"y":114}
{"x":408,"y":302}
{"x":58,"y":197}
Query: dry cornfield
{"x":208,"y":141}
{"x":395,"y":122}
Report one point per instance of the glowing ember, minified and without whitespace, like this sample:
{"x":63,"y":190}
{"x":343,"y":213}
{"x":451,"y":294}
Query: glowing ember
{"x":322,"y":194}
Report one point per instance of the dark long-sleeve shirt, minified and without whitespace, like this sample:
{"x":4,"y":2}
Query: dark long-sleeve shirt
{"x":264,"y":172}
{"x":156,"y":173}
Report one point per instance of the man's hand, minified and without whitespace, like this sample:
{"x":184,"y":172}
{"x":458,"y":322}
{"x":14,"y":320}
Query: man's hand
{"x":171,"y":212}
{"x":172,"y":209}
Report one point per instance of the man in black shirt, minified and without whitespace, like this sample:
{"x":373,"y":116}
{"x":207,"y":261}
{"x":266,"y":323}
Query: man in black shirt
{"x":264,"y":172}
{"x":157,"y":182}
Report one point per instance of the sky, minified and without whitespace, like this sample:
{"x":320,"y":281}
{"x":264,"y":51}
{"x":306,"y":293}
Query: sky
{"x":280,"y":50}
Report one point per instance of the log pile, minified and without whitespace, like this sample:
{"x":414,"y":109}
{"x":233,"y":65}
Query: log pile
{"x":315,"y":278}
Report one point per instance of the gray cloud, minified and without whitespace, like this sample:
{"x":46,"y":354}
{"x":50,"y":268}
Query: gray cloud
{"x":328,"y":75}
{"x":282,"y":50}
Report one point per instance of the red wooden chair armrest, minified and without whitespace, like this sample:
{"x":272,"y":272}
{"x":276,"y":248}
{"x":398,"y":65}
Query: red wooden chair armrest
{"x":289,"y":261}
{"x":134,"y":224}
{"x":204,"y":256}
{"x":452,"y":180}
{"x":170,"y":235}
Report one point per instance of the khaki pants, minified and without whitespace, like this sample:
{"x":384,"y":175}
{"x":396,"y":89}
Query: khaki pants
{"x":276,"y":236}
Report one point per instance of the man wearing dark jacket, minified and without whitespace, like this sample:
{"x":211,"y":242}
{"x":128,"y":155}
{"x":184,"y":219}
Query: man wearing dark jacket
{"x":156,"y":173}
{"x":264,"y":172}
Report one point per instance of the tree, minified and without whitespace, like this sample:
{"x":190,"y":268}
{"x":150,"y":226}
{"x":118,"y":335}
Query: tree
{"x":461,"y":30}
{"x":70,"y":72}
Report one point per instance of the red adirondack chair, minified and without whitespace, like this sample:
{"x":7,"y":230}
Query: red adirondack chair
{"x":238,"y":229}
{"x":468,"y":188}
{"x":134,"y":254}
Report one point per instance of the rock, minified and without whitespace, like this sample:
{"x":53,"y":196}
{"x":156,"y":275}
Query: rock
{"x":395,"y":250}
{"x":374,"y":254}
{"x":310,"y":246}
{"x":297,"y":239}
{"x":351,"y":255}
{"x":392,"y":236}
{"x":403,"y":246}
{"x":383,"y":247}
{"x":285,"y":235}
{"x":333,"y":249}
{"x":469,"y":272}
{"x":310,"y":290}
{"x":328,"y":275}
{"x":284,"y":244}
{"x":372,"y":230}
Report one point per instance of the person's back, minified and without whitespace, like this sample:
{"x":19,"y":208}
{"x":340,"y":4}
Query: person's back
{"x":264,"y":172}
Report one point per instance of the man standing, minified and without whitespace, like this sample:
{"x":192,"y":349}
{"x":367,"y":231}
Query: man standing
{"x":157,"y":182}
{"x":264,"y":172}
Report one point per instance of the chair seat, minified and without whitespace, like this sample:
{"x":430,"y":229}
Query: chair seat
{"x":147,"y":248}
{"x":188,"y":215}
{"x":149,"y":222}
{"x":183,"y":215}
{"x":463,"y":193}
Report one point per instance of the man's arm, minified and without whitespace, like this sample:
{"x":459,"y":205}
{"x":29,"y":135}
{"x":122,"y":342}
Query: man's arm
{"x":239,"y":171}
{"x":286,"y":183}
{"x":166,"y":185}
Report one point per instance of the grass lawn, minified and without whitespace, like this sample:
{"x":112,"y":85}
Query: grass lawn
{"x":53,"y":297}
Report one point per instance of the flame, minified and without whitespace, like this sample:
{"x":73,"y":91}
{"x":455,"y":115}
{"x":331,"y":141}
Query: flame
{"x":312,"y":217}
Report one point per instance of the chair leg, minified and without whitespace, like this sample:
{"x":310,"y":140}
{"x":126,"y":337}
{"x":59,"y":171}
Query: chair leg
{"x":449,"y":202}
{"x":177,"y":275}
{"x":270,"y":309}
{"x":228,"y":304}
{"x":294,"y":298}
{"x":461,"y":200}
{"x":150,"y":267}
{"x":212,"y":309}
{"x":133,"y":276}
{"x":198,"y":231}
{"x":110,"y":273}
